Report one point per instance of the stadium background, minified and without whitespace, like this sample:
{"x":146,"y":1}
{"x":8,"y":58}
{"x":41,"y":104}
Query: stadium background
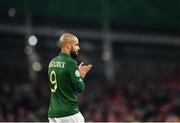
{"x":134,"y":46}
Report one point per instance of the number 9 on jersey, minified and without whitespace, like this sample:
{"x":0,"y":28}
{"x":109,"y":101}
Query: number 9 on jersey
{"x":53,"y":81}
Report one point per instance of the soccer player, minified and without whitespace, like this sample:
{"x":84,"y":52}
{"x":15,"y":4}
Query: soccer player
{"x":66,"y":81}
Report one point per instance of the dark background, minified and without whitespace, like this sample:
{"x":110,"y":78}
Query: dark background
{"x":134,"y":46}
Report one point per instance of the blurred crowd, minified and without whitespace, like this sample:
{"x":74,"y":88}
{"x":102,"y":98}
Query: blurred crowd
{"x":150,"y":100}
{"x":23,"y":102}
{"x":134,"y":101}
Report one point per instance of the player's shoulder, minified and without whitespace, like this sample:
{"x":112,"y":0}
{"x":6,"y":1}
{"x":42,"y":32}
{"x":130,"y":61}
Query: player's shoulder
{"x":71,"y":61}
{"x":54,"y":59}
{"x":64,"y":58}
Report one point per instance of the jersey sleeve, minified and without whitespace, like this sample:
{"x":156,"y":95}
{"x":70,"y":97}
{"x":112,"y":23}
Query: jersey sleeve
{"x":75,"y":76}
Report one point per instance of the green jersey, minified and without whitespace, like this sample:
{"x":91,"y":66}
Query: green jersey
{"x":63,"y":75}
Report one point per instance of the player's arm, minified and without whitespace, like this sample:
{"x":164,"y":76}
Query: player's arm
{"x":83,"y":70}
{"x":76,"y":78}
{"x":79,"y":87}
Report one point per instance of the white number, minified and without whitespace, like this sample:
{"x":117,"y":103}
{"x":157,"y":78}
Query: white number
{"x":53,"y":81}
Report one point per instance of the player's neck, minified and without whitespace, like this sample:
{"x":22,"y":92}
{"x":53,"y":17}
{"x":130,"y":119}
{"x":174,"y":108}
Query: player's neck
{"x":65,"y":52}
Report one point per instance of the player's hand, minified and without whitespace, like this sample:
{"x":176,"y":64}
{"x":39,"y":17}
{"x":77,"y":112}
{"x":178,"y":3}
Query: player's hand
{"x":84,"y":69}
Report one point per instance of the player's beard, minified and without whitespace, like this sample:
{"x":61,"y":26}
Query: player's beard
{"x":74,"y":54}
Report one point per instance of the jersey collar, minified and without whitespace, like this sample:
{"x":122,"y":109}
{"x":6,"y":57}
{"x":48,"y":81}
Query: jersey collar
{"x":64,"y":54}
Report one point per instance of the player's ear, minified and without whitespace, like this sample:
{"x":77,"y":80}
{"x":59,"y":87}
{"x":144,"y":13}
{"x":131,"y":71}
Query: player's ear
{"x":68,"y":45}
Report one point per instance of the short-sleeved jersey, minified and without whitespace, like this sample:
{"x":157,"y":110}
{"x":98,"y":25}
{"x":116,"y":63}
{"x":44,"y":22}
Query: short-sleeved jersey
{"x":63,"y":74}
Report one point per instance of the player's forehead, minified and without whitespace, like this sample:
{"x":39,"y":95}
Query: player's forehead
{"x":76,"y":41}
